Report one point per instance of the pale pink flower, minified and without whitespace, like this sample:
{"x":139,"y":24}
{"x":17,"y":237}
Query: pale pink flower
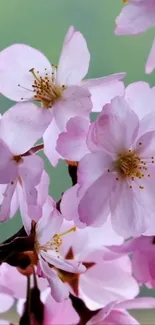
{"x":115,"y":313}
{"x":119,"y":174}
{"x":136,"y":17}
{"x":33,"y":77}
{"x":108,"y":275}
{"x":48,"y":241}
{"x":150,"y":64}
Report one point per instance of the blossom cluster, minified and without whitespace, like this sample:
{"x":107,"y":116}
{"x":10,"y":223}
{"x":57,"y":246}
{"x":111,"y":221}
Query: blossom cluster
{"x":83,"y":259}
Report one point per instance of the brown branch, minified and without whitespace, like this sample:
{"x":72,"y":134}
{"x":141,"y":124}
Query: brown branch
{"x":84,"y":313}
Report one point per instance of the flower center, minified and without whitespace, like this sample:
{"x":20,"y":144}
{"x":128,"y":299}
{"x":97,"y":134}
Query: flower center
{"x":129,"y":165}
{"x":45,"y":89}
{"x":55,"y":243}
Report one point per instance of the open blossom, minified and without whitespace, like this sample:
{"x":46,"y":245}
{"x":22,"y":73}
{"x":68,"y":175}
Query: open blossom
{"x":59,"y":89}
{"x":118,"y":175}
{"x":136,"y":17}
{"x":33,"y":77}
{"x":116,"y":312}
{"x":107,"y":277}
{"x":48,"y":241}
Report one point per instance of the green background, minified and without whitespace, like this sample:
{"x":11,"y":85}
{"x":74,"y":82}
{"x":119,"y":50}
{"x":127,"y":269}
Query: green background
{"x":43,"y":24}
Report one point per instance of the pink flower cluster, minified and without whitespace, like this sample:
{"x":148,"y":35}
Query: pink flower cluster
{"x":136,"y":17}
{"x":85,"y":257}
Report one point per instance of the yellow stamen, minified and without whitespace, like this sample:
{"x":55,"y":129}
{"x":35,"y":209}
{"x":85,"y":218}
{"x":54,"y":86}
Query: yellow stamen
{"x":44,"y":88}
{"x":34,"y":74}
{"x":67,"y":232}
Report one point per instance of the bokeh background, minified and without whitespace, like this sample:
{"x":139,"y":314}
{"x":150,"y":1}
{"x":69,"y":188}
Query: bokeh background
{"x":43,"y":24}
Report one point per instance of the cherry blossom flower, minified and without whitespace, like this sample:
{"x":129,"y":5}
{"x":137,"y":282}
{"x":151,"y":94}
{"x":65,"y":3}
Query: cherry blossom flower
{"x":116,"y":313}
{"x":108,"y":276}
{"x":37,"y":79}
{"x":58,"y":88}
{"x":136,"y":17}
{"x":118,"y":175}
{"x":48,"y":241}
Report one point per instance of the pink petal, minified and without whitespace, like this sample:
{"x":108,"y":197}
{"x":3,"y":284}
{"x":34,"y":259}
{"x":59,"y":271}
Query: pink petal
{"x":59,"y":290}
{"x":15,"y":63}
{"x":92,"y":166}
{"x":50,"y":138}
{"x":31,"y":169}
{"x":102,"y":314}
{"x":91,"y":83}
{"x":76,"y":101}
{"x":6,"y":302}
{"x":8,"y":205}
{"x":112,"y":123}
{"x":120,"y":317}
{"x":94,"y":206}
{"x":110,"y":236}
{"x":8,"y":166}
{"x":146,"y":149}
{"x":113,"y":283}
{"x":26,"y":218}
{"x":43,"y":188}
{"x":136,"y":18}
{"x":150,"y":64}
{"x":140,"y":97}
{"x":66,"y":314}
{"x":72,"y":143}
{"x":70,"y":211}
{"x":129,"y":215}
{"x":48,"y":226}
{"x":22,"y":125}
{"x":138,"y":303}
{"x":59,"y":262}
{"x":103,"y":90}
{"x":74,"y":60}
